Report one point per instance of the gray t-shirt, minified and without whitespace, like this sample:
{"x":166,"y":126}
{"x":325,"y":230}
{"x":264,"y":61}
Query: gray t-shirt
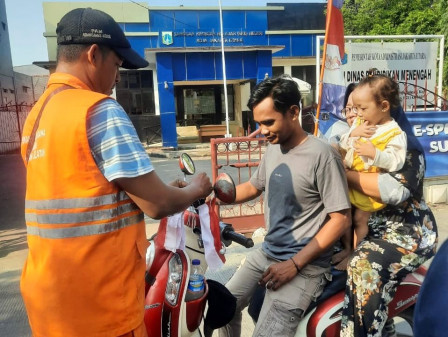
{"x":301,"y":187}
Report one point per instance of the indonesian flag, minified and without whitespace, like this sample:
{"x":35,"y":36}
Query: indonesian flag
{"x":171,"y":234}
{"x":211,"y":235}
{"x":332,"y":82}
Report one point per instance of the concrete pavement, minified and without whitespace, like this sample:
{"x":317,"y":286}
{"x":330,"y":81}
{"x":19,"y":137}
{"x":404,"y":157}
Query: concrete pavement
{"x":13,"y":247}
{"x":194,"y":150}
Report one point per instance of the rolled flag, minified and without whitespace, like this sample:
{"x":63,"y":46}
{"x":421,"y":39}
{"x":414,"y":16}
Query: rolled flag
{"x":211,"y":236}
{"x":174,"y":232}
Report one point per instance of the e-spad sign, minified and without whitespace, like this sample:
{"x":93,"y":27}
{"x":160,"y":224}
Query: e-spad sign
{"x":431,"y":129}
{"x":411,"y":62}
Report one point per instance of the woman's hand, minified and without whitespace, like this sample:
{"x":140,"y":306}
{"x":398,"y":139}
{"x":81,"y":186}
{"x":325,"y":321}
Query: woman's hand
{"x":278,"y":274}
{"x":365,"y":148}
{"x":364,"y":130}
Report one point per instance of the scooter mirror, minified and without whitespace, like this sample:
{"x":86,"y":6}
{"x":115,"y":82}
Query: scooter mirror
{"x":186,"y":164}
{"x":225,"y":188}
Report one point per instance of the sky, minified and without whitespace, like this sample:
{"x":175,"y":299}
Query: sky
{"x":26,"y":23}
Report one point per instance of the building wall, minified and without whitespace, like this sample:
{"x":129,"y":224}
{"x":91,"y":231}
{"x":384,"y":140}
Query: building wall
{"x":24,"y":89}
{"x":30,"y":83}
{"x":6,"y":72}
{"x":39,"y":85}
{"x":128,"y":14}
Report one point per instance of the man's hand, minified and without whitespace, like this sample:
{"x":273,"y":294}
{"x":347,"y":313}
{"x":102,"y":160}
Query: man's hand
{"x":178,"y":183}
{"x":365,"y":148}
{"x":201,"y":182}
{"x":364,"y":130}
{"x":278,"y":274}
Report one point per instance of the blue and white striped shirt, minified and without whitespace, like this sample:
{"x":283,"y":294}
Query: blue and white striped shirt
{"x":114,"y":143}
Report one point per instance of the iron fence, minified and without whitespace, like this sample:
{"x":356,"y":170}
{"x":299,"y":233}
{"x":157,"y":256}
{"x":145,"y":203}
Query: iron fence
{"x":12,"y":118}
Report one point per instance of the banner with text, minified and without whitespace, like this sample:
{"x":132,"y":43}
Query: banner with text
{"x":411,"y":62}
{"x":431,"y":129}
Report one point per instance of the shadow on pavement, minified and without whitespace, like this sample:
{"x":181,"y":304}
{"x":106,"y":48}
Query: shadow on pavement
{"x":12,"y":241}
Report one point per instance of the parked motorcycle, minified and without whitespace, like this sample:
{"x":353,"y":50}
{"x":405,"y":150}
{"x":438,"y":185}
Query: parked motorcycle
{"x":323,"y":318}
{"x":196,"y":233}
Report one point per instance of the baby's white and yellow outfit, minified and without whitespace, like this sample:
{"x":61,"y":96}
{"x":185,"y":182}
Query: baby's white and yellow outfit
{"x":391,"y":145}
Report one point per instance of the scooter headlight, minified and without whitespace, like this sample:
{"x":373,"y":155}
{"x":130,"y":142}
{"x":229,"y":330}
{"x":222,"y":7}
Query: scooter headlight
{"x":174,"y":279}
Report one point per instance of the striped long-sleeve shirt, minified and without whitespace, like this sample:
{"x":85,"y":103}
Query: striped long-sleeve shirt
{"x":114,"y":143}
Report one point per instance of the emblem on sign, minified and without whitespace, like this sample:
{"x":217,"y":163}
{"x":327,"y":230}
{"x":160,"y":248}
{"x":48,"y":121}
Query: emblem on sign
{"x":167,"y":38}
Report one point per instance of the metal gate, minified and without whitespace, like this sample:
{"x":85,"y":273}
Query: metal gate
{"x":239,"y":157}
{"x":12,"y":118}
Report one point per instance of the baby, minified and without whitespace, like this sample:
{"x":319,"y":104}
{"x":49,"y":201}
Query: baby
{"x":374,"y":143}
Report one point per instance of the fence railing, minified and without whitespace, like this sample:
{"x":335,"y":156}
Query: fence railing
{"x":12,"y":118}
{"x":239,"y":157}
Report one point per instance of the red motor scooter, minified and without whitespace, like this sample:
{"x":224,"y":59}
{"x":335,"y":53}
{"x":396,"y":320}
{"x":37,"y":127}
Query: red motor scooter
{"x":200,"y":235}
{"x":323,"y":318}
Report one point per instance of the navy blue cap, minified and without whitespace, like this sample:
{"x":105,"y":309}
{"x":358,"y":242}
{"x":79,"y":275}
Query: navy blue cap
{"x":92,"y":26}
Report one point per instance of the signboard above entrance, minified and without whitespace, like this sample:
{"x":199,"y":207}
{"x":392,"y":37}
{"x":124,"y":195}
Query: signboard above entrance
{"x":212,"y":38}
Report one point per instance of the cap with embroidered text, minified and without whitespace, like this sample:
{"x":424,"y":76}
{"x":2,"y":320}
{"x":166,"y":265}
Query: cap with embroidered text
{"x":90,"y":26}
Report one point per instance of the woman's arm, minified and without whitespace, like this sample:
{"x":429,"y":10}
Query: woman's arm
{"x":380,"y":186}
{"x":395,"y":187}
{"x":364,"y":182}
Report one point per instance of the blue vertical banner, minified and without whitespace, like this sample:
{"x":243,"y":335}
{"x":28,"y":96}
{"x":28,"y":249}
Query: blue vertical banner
{"x":431,"y":129}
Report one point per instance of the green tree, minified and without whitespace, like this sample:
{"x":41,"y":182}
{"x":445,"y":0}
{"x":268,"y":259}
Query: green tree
{"x":398,"y":17}
{"x":443,"y":21}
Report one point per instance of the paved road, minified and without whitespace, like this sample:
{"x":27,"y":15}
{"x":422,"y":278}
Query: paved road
{"x":13,"y":248}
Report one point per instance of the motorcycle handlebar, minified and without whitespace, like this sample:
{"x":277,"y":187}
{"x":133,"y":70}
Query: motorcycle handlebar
{"x":228,"y":235}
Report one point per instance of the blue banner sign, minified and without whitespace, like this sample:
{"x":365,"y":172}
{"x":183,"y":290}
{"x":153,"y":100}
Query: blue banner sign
{"x":431,"y":129}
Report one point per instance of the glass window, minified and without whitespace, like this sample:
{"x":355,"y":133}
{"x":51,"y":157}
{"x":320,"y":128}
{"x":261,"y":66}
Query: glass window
{"x":277,"y":71}
{"x":204,"y":105}
{"x":230,"y":104}
{"x":134,"y":80}
{"x":199,"y":105}
{"x":307,"y":74}
{"x":298,"y":16}
{"x":135,"y":92}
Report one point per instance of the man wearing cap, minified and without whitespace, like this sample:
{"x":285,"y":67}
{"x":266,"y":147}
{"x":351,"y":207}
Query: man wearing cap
{"x":89,"y":181}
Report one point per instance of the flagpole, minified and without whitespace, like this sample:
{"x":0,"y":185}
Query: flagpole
{"x":224,"y":77}
{"x":322,"y":69}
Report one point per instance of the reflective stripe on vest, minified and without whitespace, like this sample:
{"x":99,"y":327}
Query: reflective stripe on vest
{"x":77,"y":217}
{"x":73,"y":232}
{"x":53,"y":216}
{"x":76,"y":203}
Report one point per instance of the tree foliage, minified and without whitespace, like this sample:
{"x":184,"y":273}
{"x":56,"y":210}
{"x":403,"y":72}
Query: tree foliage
{"x":398,"y":17}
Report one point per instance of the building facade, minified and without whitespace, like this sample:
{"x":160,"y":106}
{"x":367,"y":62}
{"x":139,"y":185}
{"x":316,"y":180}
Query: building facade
{"x":184,"y":83}
{"x":6,"y":72}
{"x":20,"y":88}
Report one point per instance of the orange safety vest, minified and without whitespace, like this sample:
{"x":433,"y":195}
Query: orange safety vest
{"x":84,"y":275}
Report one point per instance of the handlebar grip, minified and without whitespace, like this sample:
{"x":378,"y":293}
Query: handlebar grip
{"x":198,"y":203}
{"x":229,"y":234}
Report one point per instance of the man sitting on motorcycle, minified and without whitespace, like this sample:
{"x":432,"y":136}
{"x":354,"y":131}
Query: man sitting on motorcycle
{"x":306,"y":211}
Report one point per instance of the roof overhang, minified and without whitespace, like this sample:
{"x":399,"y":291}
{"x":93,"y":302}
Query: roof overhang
{"x":49,"y":65}
{"x":150,"y":53}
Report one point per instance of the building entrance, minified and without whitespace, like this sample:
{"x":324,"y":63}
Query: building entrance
{"x":203,"y":104}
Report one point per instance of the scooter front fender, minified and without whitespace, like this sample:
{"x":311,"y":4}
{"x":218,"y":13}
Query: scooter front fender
{"x":155,"y":301}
